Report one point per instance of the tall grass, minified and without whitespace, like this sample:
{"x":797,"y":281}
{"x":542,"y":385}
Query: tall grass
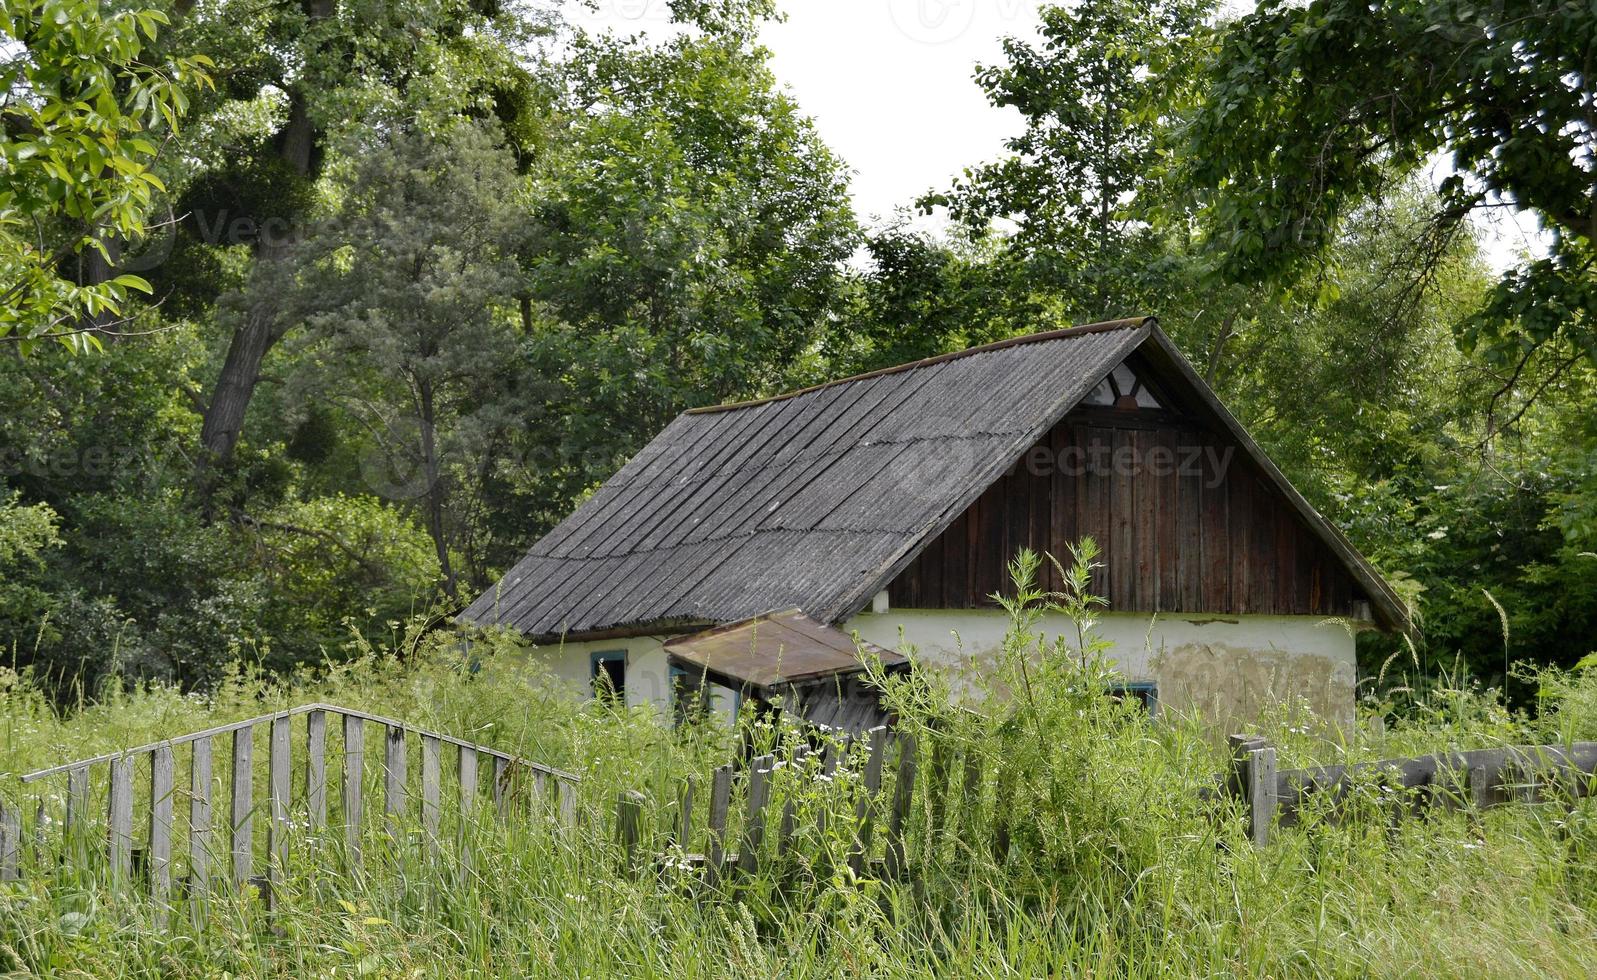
{"x":1116,"y":866}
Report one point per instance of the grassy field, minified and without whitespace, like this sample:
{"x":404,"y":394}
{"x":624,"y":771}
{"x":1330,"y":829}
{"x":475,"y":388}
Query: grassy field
{"x":1116,"y":869}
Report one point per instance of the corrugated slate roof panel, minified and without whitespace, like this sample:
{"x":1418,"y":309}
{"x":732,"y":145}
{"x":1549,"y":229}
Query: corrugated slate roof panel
{"x":799,"y":501}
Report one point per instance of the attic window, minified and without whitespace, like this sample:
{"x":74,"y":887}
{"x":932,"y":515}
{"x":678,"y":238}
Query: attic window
{"x":1122,"y":390}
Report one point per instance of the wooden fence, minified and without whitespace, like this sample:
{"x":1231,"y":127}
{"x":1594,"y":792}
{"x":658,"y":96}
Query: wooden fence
{"x":1477,"y":780}
{"x":549,"y":788}
{"x":903,"y":803}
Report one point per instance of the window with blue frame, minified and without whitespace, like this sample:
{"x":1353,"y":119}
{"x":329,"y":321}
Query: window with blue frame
{"x":1144,"y":693}
{"x":610,"y":674}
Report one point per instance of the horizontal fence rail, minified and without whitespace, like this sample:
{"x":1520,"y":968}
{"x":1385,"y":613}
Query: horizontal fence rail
{"x":1478,"y":779}
{"x":296,"y":798}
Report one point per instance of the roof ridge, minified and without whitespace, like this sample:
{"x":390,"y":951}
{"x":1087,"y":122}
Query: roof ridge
{"x":1129,"y":323}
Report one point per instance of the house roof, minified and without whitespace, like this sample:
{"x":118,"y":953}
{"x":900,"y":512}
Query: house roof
{"x":818,"y":498}
{"x":774,"y":650}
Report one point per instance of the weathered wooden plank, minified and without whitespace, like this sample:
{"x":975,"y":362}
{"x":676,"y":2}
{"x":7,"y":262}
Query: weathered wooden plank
{"x":394,"y":801}
{"x":970,"y":797}
{"x":430,"y":776}
{"x":754,"y":815}
{"x":279,"y":787}
{"x":903,"y":799}
{"x":568,"y":803}
{"x":629,"y":815}
{"x":77,"y":816}
{"x":10,"y":841}
{"x":937,"y":786}
{"x":684,"y":827}
{"x":1262,"y":793}
{"x":243,"y":805}
{"x":864,"y":805}
{"x":468,"y":783}
{"x":1217,"y":541}
{"x":720,"y":803}
{"x":316,"y":769}
{"x":119,"y":821}
{"x":200,"y":818}
{"x":162,"y":775}
{"x":502,"y":794}
{"x":354,"y":787}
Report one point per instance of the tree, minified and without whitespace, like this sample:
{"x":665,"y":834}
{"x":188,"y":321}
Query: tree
{"x":410,"y":292}
{"x":919,"y":296}
{"x":312,"y":70}
{"x":1085,"y":183}
{"x":1312,"y":109}
{"x":82,"y":113}
{"x":689,"y":231}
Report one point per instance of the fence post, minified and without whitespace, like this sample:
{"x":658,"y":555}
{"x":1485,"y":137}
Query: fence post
{"x":903,"y":799}
{"x":629,"y":813}
{"x":1262,"y":796}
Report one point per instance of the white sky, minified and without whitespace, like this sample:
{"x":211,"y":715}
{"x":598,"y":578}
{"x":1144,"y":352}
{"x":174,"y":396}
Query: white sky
{"x":889,"y":84}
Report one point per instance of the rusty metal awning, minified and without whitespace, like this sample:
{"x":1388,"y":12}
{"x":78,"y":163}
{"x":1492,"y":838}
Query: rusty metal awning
{"x":774,"y":650}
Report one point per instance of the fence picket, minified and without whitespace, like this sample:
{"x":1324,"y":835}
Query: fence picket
{"x":629,"y":813}
{"x":568,"y":802}
{"x":278,"y":789}
{"x":903,"y":799}
{"x":10,"y":841}
{"x":200,"y":818}
{"x":684,"y":827}
{"x":502,"y":792}
{"x":468,"y":782}
{"x":430,"y":769}
{"x":243,"y":804}
{"x":864,"y":806}
{"x":354,"y":787}
{"x":162,"y":772}
{"x":77,"y":802}
{"x":394,"y":781}
{"x":119,"y":817}
{"x":316,"y":769}
{"x":720,"y":803}
{"x":754,"y":816}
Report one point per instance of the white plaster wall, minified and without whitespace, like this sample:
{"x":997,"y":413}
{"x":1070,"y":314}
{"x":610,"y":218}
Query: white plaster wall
{"x":648,"y":671}
{"x":1226,"y":668}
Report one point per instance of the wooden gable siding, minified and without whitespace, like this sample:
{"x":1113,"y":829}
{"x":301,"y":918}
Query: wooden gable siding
{"x":1197,"y":538}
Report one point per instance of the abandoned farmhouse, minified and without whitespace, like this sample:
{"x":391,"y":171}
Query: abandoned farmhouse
{"x":752,"y":543}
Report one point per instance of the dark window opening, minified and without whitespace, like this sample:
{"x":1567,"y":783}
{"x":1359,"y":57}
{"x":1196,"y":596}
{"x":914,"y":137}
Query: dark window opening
{"x":610,"y":675}
{"x":690,"y":695}
{"x":1146,"y":695}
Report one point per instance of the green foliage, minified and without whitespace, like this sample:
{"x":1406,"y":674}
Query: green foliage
{"x":1117,"y":867}
{"x":83,"y":109}
{"x":1313,"y":108}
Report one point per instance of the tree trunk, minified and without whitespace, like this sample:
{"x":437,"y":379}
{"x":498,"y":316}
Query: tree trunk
{"x":235,"y":386}
{"x":435,"y":488}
